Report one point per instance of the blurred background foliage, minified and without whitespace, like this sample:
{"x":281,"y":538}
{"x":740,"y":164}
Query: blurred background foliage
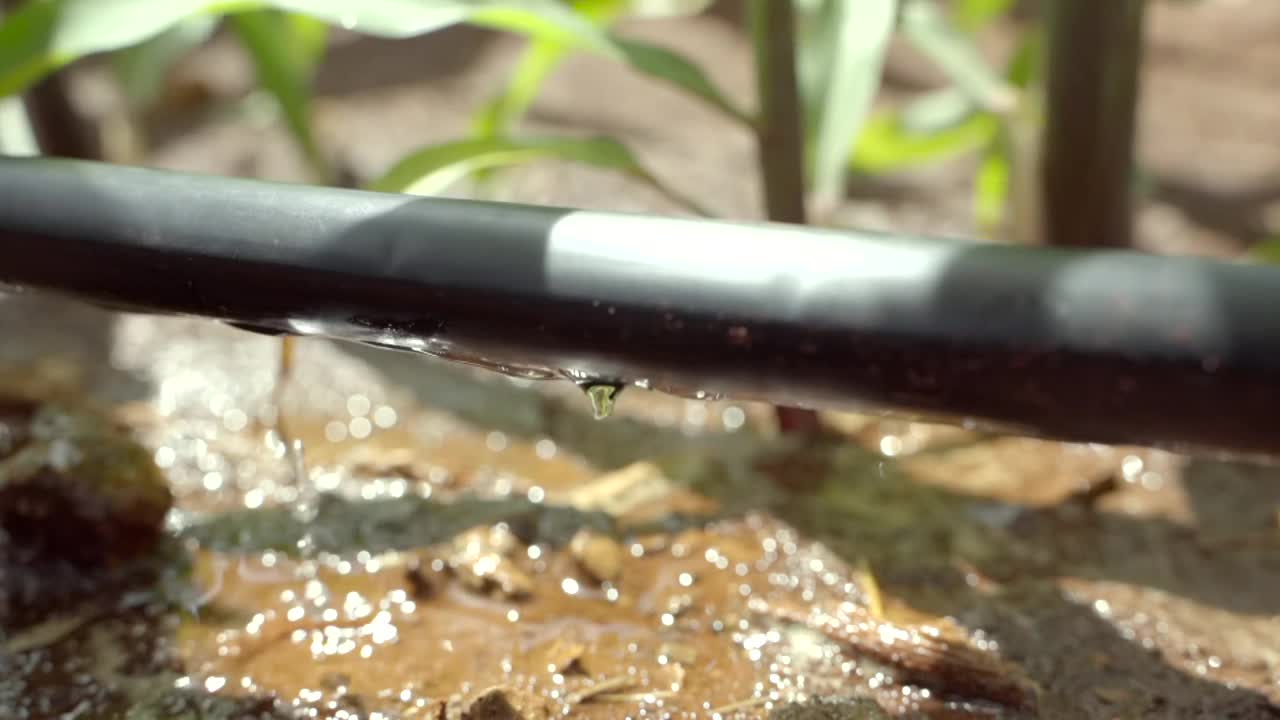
{"x":840,"y":51}
{"x":994,"y":113}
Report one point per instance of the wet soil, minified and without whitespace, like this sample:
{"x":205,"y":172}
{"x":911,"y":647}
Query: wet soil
{"x":484,"y":548}
{"x":932,"y":572}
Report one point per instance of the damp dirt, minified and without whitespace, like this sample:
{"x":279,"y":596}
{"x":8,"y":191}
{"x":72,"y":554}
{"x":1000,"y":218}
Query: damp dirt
{"x":459,"y":570}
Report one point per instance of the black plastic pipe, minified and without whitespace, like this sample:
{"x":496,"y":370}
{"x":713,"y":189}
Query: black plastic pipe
{"x":1102,"y":346}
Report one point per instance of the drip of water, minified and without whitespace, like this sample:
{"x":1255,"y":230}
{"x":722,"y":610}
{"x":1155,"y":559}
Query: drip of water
{"x":603,"y":397}
{"x":602,"y":392}
{"x":305,"y":507}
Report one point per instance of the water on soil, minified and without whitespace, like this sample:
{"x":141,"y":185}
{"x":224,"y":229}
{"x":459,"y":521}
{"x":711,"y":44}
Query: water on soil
{"x":502,"y":549}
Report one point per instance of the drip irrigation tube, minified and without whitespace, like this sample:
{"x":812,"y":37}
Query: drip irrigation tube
{"x":1101,"y":346}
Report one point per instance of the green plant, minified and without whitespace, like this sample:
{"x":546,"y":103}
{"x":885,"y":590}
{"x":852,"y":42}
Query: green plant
{"x":818,"y":65}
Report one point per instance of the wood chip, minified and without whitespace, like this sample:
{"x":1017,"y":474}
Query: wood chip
{"x":920,"y":658}
{"x":739,"y":705}
{"x":601,"y":688}
{"x":623,"y":491}
{"x":635,"y":697}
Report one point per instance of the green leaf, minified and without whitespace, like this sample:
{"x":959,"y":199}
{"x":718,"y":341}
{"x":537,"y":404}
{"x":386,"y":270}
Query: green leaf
{"x":858,"y":40}
{"x":44,"y":35}
{"x":543,"y":55}
{"x":815,"y":37}
{"x":937,"y":111}
{"x":991,"y":186}
{"x":972,"y":15}
{"x":548,"y":19}
{"x":285,"y":50}
{"x":540,"y":58}
{"x":141,"y":70}
{"x":1028,"y":62}
{"x":434,"y":168}
{"x":672,"y":67}
{"x":499,"y":114}
{"x":925,"y":25}
{"x":309,"y":39}
{"x":666,"y":8}
{"x":888,"y":144}
{"x":1267,"y":251}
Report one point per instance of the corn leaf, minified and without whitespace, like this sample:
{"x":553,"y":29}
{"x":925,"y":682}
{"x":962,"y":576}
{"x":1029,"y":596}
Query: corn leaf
{"x":141,"y":69}
{"x":972,"y":15}
{"x":537,"y":63}
{"x":676,"y":69}
{"x":544,"y":55}
{"x":1267,"y":251}
{"x":926,"y":26}
{"x":853,"y":50}
{"x":937,"y":110}
{"x":286,"y":48}
{"x":889,"y":144}
{"x":44,"y":35}
{"x":308,"y":39}
{"x":433,"y":169}
{"x":1027,"y":66}
{"x":991,"y":186}
{"x":665,"y":8}
{"x":540,"y":59}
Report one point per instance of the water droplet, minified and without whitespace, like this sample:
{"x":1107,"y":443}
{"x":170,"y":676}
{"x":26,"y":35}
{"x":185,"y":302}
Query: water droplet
{"x":603,"y":396}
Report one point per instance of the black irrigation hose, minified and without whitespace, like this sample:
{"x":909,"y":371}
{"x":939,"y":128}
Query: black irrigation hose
{"x":1103,"y":346}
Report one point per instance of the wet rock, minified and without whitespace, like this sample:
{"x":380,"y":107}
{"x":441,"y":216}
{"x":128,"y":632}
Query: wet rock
{"x":176,"y":704}
{"x":88,"y":500}
{"x":949,"y":666}
{"x":482,"y":559}
{"x":636,"y":494}
{"x":15,"y":424}
{"x":1113,"y":695}
{"x":405,"y":523}
{"x":423,"y":578}
{"x":565,"y":657}
{"x":78,"y":497}
{"x":503,"y":703}
{"x":599,"y":555}
{"x":368,"y":461}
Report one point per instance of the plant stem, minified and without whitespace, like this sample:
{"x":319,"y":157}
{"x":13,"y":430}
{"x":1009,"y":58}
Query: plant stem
{"x":1094,"y":60}
{"x":780,"y":138}
{"x":59,"y":128}
{"x":779,"y":127}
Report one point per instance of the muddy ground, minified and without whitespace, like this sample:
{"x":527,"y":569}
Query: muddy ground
{"x":649,"y":565}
